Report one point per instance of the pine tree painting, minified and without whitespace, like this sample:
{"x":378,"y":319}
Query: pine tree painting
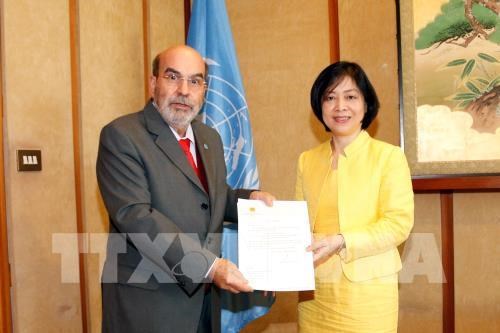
{"x":457,"y":66}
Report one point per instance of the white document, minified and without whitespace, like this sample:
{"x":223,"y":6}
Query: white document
{"x":272,"y":245}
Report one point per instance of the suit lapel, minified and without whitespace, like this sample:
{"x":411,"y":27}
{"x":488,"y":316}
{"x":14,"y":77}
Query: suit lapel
{"x":167,"y":143}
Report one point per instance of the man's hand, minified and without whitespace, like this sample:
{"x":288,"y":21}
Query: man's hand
{"x":226,"y":276}
{"x":267,"y":197}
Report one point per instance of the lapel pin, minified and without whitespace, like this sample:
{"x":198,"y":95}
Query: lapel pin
{"x":205,"y":146}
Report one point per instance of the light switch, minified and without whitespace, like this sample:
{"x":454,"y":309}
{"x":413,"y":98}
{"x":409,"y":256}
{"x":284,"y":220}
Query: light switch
{"x":29,"y":160}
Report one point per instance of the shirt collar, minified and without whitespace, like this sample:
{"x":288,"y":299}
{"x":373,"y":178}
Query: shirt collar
{"x":189,"y":134}
{"x":356,"y":145}
{"x":353,"y":147}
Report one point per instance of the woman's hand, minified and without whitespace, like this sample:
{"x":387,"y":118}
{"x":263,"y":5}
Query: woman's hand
{"x":325,"y":247}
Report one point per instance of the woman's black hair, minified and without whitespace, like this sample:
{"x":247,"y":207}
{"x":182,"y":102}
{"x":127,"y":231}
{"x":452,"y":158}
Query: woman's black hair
{"x":331,"y":76}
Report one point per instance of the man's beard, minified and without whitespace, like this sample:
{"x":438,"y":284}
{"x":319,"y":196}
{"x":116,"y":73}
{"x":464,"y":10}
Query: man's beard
{"x":179,"y":118}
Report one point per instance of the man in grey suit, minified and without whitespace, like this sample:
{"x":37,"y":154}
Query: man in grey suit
{"x":162,"y":176}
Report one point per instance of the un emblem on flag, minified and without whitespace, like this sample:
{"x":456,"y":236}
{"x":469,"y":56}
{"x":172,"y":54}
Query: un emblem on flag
{"x":226,"y":111}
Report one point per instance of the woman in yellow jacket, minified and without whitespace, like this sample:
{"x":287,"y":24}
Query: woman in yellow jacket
{"x":360,"y":203}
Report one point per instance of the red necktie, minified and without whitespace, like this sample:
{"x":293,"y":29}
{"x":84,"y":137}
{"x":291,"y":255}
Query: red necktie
{"x":185,"y":146}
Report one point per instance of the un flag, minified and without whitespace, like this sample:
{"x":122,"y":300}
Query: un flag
{"x":226,"y":108}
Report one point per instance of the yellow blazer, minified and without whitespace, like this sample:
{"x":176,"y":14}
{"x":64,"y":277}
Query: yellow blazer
{"x":375,"y":202}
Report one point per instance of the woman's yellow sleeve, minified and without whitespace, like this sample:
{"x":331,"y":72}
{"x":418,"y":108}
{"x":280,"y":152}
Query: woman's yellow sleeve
{"x":395,"y":211}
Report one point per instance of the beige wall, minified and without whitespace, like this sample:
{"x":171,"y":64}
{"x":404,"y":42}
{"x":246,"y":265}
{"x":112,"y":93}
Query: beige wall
{"x":477,"y":268}
{"x":278,"y":66}
{"x":112,"y":74}
{"x":282,"y":46}
{"x":38,"y":115}
{"x":37,"y":100}
{"x":166,"y":24}
{"x":368,"y":37}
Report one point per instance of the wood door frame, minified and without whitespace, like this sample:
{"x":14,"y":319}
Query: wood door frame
{"x":5,"y":281}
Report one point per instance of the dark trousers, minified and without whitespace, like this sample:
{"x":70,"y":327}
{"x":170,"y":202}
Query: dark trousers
{"x":205,"y":324}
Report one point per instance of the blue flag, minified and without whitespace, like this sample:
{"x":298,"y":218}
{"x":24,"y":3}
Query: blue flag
{"x":226,"y":110}
{"x":225,"y":107}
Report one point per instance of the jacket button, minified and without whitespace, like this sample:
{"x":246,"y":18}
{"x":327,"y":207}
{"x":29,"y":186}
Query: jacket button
{"x":204,"y":206}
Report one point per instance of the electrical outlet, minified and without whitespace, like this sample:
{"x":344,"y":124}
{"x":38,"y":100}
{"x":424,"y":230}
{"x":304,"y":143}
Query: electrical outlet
{"x":29,"y":160}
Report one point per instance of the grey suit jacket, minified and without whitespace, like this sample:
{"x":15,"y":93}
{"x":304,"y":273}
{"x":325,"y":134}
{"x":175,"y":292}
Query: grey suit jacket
{"x":165,"y":230}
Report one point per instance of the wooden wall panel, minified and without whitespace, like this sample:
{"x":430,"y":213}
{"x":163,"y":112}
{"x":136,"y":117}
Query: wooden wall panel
{"x":368,"y":37}
{"x":420,"y":299}
{"x":166,"y":25}
{"x":77,"y":162}
{"x":282,"y":47}
{"x":5,"y":303}
{"x":112,"y":80}
{"x":477,"y":286}
{"x":39,"y":204}
{"x":111,"y":60}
